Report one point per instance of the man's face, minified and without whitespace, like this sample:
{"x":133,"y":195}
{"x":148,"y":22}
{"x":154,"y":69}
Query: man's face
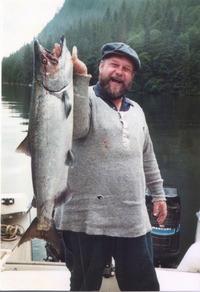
{"x":115,"y":76}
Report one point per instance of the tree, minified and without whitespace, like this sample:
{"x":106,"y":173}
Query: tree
{"x":28,"y":65}
{"x":164,"y":33}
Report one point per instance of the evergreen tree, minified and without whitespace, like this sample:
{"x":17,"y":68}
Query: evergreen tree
{"x":28,"y":65}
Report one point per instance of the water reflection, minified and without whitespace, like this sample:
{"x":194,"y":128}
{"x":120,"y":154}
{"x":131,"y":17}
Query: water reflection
{"x":18,"y":99}
{"x":16,"y":176}
{"x":174,"y":124}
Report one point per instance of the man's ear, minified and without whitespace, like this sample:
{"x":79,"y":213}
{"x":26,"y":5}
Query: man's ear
{"x":101,"y":65}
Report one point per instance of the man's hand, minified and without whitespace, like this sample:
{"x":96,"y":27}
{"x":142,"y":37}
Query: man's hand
{"x":79,"y":66}
{"x":57,"y":50}
{"x":160,"y":211}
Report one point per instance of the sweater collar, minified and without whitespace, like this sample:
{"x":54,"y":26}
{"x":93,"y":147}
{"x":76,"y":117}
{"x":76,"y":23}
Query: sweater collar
{"x":126,"y":102}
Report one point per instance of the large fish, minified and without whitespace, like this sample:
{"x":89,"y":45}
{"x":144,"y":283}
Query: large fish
{"x":49,"y":138}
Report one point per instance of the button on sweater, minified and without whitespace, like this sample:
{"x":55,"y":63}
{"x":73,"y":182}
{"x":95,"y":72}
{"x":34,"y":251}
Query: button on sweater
{"x":115,"y":164}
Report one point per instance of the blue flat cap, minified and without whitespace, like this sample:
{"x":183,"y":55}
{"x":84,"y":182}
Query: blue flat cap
{"x":121,"y":49}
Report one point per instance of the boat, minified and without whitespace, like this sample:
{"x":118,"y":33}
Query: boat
{"x":20,"y":272}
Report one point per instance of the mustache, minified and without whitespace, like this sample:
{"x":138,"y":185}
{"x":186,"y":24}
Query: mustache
{"x":112,"y":78}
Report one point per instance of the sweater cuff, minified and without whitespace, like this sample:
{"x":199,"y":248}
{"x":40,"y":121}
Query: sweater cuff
{"x":81,"y":80}
{"x":157,"y":192}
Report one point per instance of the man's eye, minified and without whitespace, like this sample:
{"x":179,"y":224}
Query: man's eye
{"x":127,"y":69}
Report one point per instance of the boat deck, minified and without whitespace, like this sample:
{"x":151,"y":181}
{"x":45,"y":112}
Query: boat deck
{"x":55,"y":277}
{"x":7,"y":247}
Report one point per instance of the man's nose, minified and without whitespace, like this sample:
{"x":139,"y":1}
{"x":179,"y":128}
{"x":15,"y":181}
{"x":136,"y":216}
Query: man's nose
{"x":119,"y":71}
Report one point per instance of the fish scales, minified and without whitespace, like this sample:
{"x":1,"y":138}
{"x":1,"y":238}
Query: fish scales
{"x":49,"y":138}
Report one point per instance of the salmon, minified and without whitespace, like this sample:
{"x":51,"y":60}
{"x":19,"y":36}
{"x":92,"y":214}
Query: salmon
{"x":49,"y":138}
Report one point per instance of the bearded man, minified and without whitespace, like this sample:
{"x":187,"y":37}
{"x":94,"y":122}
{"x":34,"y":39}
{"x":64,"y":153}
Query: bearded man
{"x":107,"y":215}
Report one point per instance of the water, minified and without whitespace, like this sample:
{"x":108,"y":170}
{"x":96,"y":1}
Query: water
{"x":174,"y":124}
{"x":15,"y":167}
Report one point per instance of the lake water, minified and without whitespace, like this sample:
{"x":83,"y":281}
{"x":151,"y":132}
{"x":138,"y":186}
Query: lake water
{"x":174,"y":123}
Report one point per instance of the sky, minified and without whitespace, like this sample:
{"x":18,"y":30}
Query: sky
{"x":22,"y":20}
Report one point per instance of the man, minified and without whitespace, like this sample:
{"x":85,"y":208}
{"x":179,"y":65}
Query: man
{"x":107,"y":215}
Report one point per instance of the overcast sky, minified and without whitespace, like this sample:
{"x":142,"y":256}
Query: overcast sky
{"x":22,"y":20}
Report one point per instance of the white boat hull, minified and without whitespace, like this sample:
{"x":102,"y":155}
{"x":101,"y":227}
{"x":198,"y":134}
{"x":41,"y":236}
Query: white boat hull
{"x":55,"y":277}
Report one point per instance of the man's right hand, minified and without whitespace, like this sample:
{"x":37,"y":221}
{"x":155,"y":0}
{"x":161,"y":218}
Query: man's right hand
{"x":79,"y":66}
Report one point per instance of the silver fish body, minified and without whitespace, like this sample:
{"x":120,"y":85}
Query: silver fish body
{"x":49,"y":138}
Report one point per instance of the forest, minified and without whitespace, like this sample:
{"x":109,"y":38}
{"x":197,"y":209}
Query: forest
{"x":164,"y":33}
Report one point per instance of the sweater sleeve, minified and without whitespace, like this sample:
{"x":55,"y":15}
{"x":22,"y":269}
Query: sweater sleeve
{"x":81,"y":106}
{"x":154,"y":182}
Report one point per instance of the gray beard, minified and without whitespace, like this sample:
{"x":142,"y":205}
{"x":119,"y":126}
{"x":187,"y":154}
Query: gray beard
{"x":109,"y":93}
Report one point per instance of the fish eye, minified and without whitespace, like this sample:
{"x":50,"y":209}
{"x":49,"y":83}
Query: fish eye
{"x":44,"y":61}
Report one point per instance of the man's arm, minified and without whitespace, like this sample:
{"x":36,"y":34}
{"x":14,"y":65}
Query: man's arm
{"x":81,"y":99}
{"x":154,"y":180}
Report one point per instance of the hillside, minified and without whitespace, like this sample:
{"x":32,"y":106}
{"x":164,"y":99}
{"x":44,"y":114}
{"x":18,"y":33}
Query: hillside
{"x":165,"y":34}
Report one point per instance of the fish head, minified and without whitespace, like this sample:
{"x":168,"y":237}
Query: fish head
{"x":54,"y":73}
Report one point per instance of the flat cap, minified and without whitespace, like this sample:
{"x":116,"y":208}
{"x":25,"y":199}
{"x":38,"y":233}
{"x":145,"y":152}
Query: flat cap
{"x":121,"y":49}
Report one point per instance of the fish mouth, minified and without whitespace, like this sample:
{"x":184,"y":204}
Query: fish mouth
{"x":47,"y":55}
{"x":48,"y":66}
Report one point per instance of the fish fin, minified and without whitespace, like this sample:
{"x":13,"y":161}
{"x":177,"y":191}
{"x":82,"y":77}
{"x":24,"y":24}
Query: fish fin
{"x":51,"y":236}
{"x":68,"y":106}
{"x":65,"y":196}
{"x":70,"y":160}
{"x":24,"y":147}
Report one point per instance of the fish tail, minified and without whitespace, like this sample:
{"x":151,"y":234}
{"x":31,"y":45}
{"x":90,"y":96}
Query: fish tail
{"x":51,"y":236}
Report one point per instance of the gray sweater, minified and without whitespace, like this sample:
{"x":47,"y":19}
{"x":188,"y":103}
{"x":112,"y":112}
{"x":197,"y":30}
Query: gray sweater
{"x":115,"y":163}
